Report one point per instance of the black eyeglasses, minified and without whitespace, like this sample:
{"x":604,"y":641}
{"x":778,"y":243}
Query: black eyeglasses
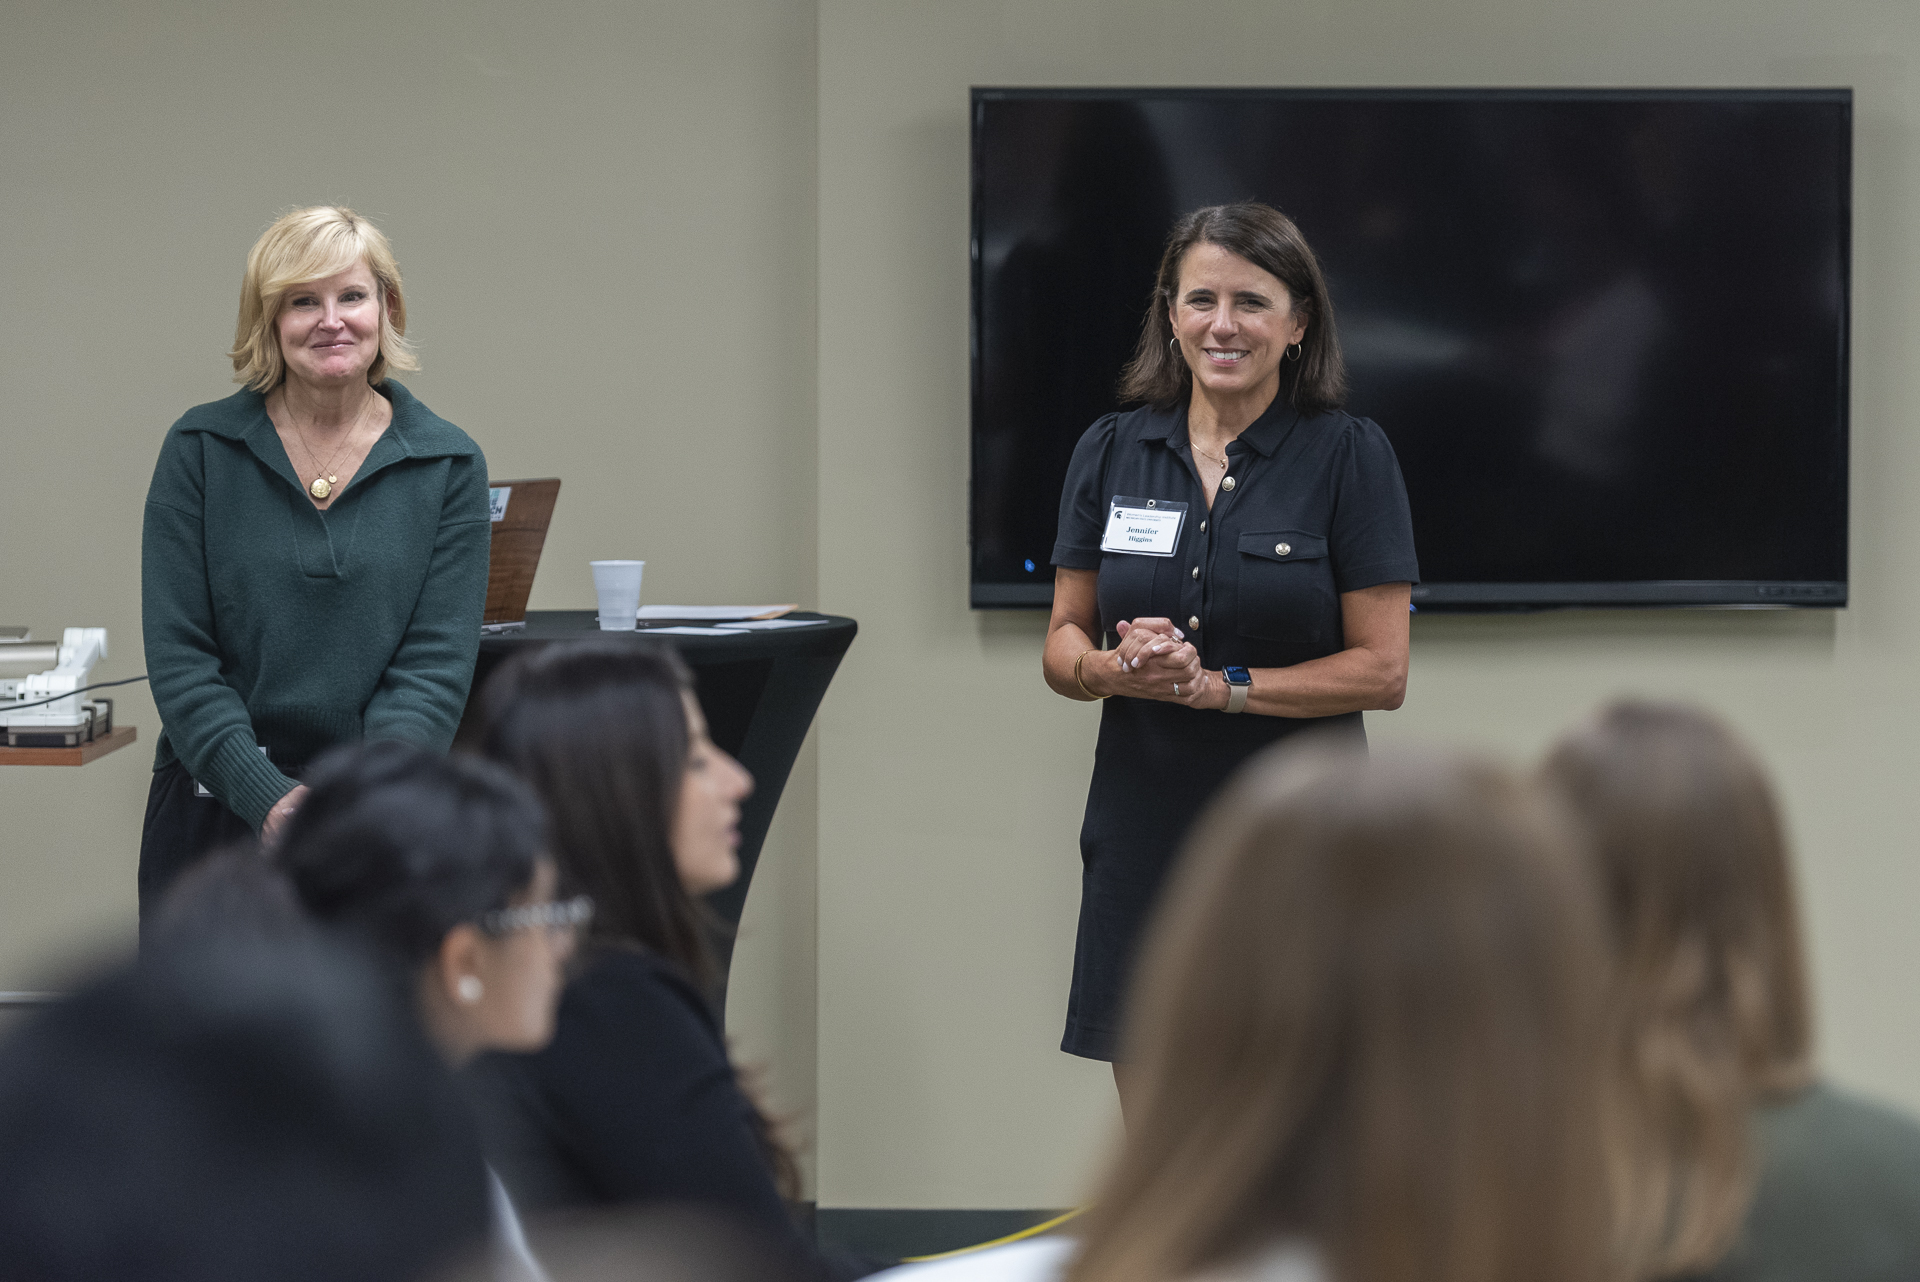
{"x":562,"y":914}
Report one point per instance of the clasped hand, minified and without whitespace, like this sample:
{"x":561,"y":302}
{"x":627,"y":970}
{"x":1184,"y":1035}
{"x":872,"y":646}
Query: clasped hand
{"x":282,"y":811}
{"x":1154,"y":660}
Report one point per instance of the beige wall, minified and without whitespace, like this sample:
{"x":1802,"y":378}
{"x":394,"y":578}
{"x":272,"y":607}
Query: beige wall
{"x":623,"y":227}
{"x":605,"y":216}
{"x":951,"y":781}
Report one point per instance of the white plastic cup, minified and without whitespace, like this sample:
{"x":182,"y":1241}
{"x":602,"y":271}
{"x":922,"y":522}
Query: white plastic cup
{"x":618,"y":585}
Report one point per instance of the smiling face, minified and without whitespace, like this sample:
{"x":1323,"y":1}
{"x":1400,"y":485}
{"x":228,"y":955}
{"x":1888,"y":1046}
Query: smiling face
{"x":329,"y":329}
{"x":1234,"y":322}
{"x":706,"y":824}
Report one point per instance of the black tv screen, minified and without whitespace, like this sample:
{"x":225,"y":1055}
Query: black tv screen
{"x":1606,"y":331}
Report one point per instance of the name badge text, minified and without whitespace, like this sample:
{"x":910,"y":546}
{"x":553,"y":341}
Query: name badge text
{"x":1143,"y":527}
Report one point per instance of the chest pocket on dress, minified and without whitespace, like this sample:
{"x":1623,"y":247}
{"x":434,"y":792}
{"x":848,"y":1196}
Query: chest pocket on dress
{"x":1286,"y":587}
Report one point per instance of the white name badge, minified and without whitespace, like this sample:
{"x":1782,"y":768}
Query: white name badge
{"x":497,"y":502}
{"x":1144,"y":527}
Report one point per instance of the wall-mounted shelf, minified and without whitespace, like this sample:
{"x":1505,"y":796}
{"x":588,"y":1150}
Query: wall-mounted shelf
{"x":115,"y":739}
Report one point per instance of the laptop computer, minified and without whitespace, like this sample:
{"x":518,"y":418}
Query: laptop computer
{"x":521,"y":511}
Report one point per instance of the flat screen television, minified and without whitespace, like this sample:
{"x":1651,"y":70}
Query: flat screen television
{"x":1606,"y":331}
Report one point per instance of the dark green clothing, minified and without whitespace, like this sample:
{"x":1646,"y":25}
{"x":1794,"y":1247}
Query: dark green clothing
{"x":270,"y":623}
{"x":1839,"y":1194}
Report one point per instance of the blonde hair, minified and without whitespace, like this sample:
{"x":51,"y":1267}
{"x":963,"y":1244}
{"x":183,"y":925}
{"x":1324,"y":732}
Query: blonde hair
{"x":1366,"y":1016}
{"x":1710,"y":1009}
{"x":308,"y":245}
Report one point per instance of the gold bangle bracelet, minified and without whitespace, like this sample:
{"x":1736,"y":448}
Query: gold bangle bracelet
{"x":1082,"y":681}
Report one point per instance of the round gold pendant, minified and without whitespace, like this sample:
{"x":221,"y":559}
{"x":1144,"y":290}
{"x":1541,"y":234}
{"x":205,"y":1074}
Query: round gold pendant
{"x":320,"y":487}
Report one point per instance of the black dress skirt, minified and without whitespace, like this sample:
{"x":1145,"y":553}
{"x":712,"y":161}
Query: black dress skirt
{"x":181,"y":827}
{"x":1316,"y":508}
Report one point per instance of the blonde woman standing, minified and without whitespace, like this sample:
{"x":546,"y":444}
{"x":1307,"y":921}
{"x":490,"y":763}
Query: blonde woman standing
{"x":314,"y":553}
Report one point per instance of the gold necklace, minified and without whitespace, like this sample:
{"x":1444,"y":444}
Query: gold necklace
{"x":323,"y":484}
{"x":1221,"y":459}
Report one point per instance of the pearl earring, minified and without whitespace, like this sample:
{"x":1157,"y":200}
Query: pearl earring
{"x":469,"y":988}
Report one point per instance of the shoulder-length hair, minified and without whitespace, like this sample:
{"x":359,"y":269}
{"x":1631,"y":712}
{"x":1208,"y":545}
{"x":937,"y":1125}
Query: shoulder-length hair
{"x":303,"y":246}
{"x":1267,"y":238}
{"x":599,"y":728}
{"x":1365,"y":1018}
{"x":1710,"y":1009}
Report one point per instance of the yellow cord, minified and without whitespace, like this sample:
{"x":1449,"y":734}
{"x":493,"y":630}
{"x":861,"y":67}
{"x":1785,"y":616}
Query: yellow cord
{"x":1035,"y":1231}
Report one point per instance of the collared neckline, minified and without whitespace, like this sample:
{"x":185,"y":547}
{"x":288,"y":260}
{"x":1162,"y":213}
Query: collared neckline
{"x":416,"y":430}
{"x":1264,"y":435}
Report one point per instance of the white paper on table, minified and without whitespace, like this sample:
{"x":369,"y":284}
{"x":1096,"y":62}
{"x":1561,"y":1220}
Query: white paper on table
{"x":691,"y":632}
{"x":768,"y":625}
{"x":711,"y":613}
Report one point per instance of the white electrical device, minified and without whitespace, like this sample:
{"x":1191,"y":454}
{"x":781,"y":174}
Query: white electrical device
{"x":39,"y":703}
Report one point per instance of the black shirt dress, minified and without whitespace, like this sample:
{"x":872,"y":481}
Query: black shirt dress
{"x":1312,"y":506}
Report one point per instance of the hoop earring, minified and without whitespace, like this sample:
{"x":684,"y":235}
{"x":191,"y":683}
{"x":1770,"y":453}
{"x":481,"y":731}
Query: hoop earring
{"x":1173,"y":345}
{"x":1293,"y":351}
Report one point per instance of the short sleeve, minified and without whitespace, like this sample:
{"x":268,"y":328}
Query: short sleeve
{"x":1083,"y":505}
{"x":1370,"y":539}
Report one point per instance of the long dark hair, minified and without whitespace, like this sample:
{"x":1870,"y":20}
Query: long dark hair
{"x":1268,"y":239}
{"x":400,"y":845}
{"x":235,"y":1107}
{"x":599,"y":728}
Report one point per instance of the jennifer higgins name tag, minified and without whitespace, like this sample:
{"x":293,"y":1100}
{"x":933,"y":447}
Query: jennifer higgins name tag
{"x":1144,"y":527}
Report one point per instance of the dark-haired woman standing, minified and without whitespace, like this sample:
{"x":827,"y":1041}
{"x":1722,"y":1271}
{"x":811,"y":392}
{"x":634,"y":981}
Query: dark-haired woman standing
{"x":1249,"y":545}
{"x":635,"y":1100}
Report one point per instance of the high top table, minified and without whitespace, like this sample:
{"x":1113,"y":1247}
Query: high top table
{"x":758,"y":689}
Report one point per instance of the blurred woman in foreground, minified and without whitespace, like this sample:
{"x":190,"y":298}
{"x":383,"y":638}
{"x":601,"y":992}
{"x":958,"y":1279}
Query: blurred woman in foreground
{"x":1713,"y":1024}
{"x":1366,"y":1033}
{"x":234,"y":1108}
{"x":439,"y":865}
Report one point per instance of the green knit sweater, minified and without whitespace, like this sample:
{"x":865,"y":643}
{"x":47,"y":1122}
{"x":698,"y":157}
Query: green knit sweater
{"x":272,"y":624}
{"x":1839,"y":1194}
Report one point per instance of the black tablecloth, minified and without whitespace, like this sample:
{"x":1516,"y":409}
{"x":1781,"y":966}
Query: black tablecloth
{"x":759,"y":691}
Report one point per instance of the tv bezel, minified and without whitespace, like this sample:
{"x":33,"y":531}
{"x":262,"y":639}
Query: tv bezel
{"x":1712,"y":594}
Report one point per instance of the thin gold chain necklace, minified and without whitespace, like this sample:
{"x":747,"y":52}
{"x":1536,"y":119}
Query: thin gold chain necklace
{"x":323,"y":483}
{"x":1220,"y":458}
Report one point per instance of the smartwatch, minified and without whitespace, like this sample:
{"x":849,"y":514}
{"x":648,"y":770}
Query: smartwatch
{"x":1239,"y":686}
